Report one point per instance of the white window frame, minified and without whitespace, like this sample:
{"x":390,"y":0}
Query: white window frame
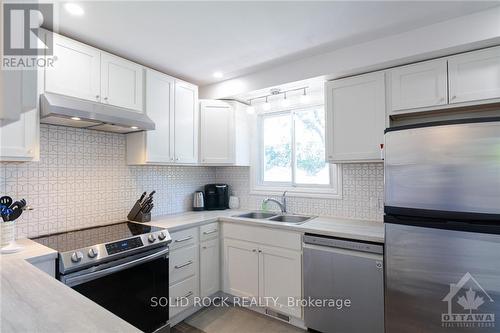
{"x":260,"y":187}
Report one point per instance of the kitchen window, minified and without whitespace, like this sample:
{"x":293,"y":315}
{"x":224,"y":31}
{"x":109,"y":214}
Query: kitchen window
{"x":291,"y":154}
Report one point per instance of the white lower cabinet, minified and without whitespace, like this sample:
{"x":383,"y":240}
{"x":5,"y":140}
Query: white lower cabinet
{"x":182,"y":296}
{"x":263,"y":270}
{"x":209,"y":267}
{"x":280,"y":277}
{"x":183,"y":272}
{"x":241,"y":268}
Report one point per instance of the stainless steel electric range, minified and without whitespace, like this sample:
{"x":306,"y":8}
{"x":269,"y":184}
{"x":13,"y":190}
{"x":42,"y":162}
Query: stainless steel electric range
{"x":123,"y":267}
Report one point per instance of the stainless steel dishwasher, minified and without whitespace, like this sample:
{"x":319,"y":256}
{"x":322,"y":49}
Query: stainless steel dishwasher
{"x":348,"y":275}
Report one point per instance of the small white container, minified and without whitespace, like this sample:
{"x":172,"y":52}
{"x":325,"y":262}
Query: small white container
{"x":7,"y":233}
{"x":234,"y":202}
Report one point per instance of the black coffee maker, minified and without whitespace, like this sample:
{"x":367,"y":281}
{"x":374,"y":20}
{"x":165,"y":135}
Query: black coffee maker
{"x":216,"y":196}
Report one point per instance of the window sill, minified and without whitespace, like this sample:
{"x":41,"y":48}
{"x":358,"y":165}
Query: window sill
{"x":300,"y":192}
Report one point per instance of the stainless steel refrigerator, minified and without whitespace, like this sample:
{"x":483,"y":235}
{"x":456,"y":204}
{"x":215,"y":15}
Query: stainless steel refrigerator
{"x":442,"y":225}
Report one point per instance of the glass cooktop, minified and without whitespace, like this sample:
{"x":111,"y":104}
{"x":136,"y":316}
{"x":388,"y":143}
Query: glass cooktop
{"x":72,"y":240}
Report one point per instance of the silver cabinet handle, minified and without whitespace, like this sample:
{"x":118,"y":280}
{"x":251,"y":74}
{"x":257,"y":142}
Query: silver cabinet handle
{"x":254,"y":250}
{"x":97,"y":96}
{"x":183,"y":265}
{"x":210,"y":232}
{"x":204,"y":247}
{"x":177,"y":299}
{"x":183,"y":239}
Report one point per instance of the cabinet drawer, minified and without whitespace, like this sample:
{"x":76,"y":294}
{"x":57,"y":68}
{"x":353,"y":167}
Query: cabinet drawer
{"x":184,"y":238}
{"x":182,"y":295}
{"x":209,"y":231}
{"x":182,"y":263}
{"x":280,"y":238}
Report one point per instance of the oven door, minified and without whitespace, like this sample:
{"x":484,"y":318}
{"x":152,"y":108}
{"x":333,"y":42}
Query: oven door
{"x":133,"y":288}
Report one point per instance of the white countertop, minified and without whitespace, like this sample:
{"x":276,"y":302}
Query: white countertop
{"x":33,"y":301}
{"x":372,"y":231}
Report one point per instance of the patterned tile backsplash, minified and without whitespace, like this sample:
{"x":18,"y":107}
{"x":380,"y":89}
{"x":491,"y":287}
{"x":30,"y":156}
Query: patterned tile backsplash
{"x":363,"y":190}
{"x":82,"y":180}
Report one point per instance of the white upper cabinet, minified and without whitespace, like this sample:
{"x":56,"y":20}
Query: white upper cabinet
{"x":224,"y":133}
{"x":475,"y":75}
{"x":19,"y":140}
{"x":159,"y":107}
{"x":355,"y":118}
{"x":216,"y":132}
{"x":173,"y":106}
{"x":85,"y":72}
{"x":185,"y":122}
{"x":420,"y":85}
{"x":76,"y":71}
{"x":155,"y":147}
{"x":121,"y":82}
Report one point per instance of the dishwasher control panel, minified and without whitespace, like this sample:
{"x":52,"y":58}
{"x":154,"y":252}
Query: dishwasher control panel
{"x":342,"y":243}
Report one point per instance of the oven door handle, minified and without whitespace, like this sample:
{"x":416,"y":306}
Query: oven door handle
{"x":79,"y":279}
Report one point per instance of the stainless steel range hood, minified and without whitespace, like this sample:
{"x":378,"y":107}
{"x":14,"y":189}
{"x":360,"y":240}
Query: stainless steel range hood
{"x":74,"y":112}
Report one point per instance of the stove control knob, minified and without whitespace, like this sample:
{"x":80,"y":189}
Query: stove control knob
{"x":76,"y":257}
{"x":151,"y":238}
{"x":93,"y":253}
{"x":162,"y":236}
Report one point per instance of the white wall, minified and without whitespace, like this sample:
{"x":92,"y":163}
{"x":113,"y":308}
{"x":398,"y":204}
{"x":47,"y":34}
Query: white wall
{"x":453,"y":36}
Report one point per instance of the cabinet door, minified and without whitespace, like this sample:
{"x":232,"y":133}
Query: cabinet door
{"x":159,"y":106}
{"x":186,"y":122}
{"x":217,"y":132}
{"x":418,"y":85}
{"x":209,"y":267}
{"x":19,"y":140}
{"x":121,"y":82}
{"x":76,"y":72}
{"x":355,"y":118}
{"x":281,"y":277}
{"x":241,"y":268}
{"x":475,"y":75}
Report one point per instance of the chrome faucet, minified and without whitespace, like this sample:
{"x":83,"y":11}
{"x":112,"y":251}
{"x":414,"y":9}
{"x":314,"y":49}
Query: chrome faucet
{"x":281,"y":204}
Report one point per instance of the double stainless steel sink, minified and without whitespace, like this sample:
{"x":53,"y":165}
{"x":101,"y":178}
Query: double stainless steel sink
{"x":292,"y":219}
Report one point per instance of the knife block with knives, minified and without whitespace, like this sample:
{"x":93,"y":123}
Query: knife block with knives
{"x":141,"y":211}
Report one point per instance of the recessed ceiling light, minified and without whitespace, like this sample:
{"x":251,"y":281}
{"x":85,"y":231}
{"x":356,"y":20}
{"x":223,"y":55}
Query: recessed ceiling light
{"x":75,"y":118}
{"x":134,"y":127}
{"x":74,"y":9}
{"x":218,"y":75}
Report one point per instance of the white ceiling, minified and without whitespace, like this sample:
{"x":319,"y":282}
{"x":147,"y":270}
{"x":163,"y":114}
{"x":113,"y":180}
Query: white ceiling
{"x":191,"y":40}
